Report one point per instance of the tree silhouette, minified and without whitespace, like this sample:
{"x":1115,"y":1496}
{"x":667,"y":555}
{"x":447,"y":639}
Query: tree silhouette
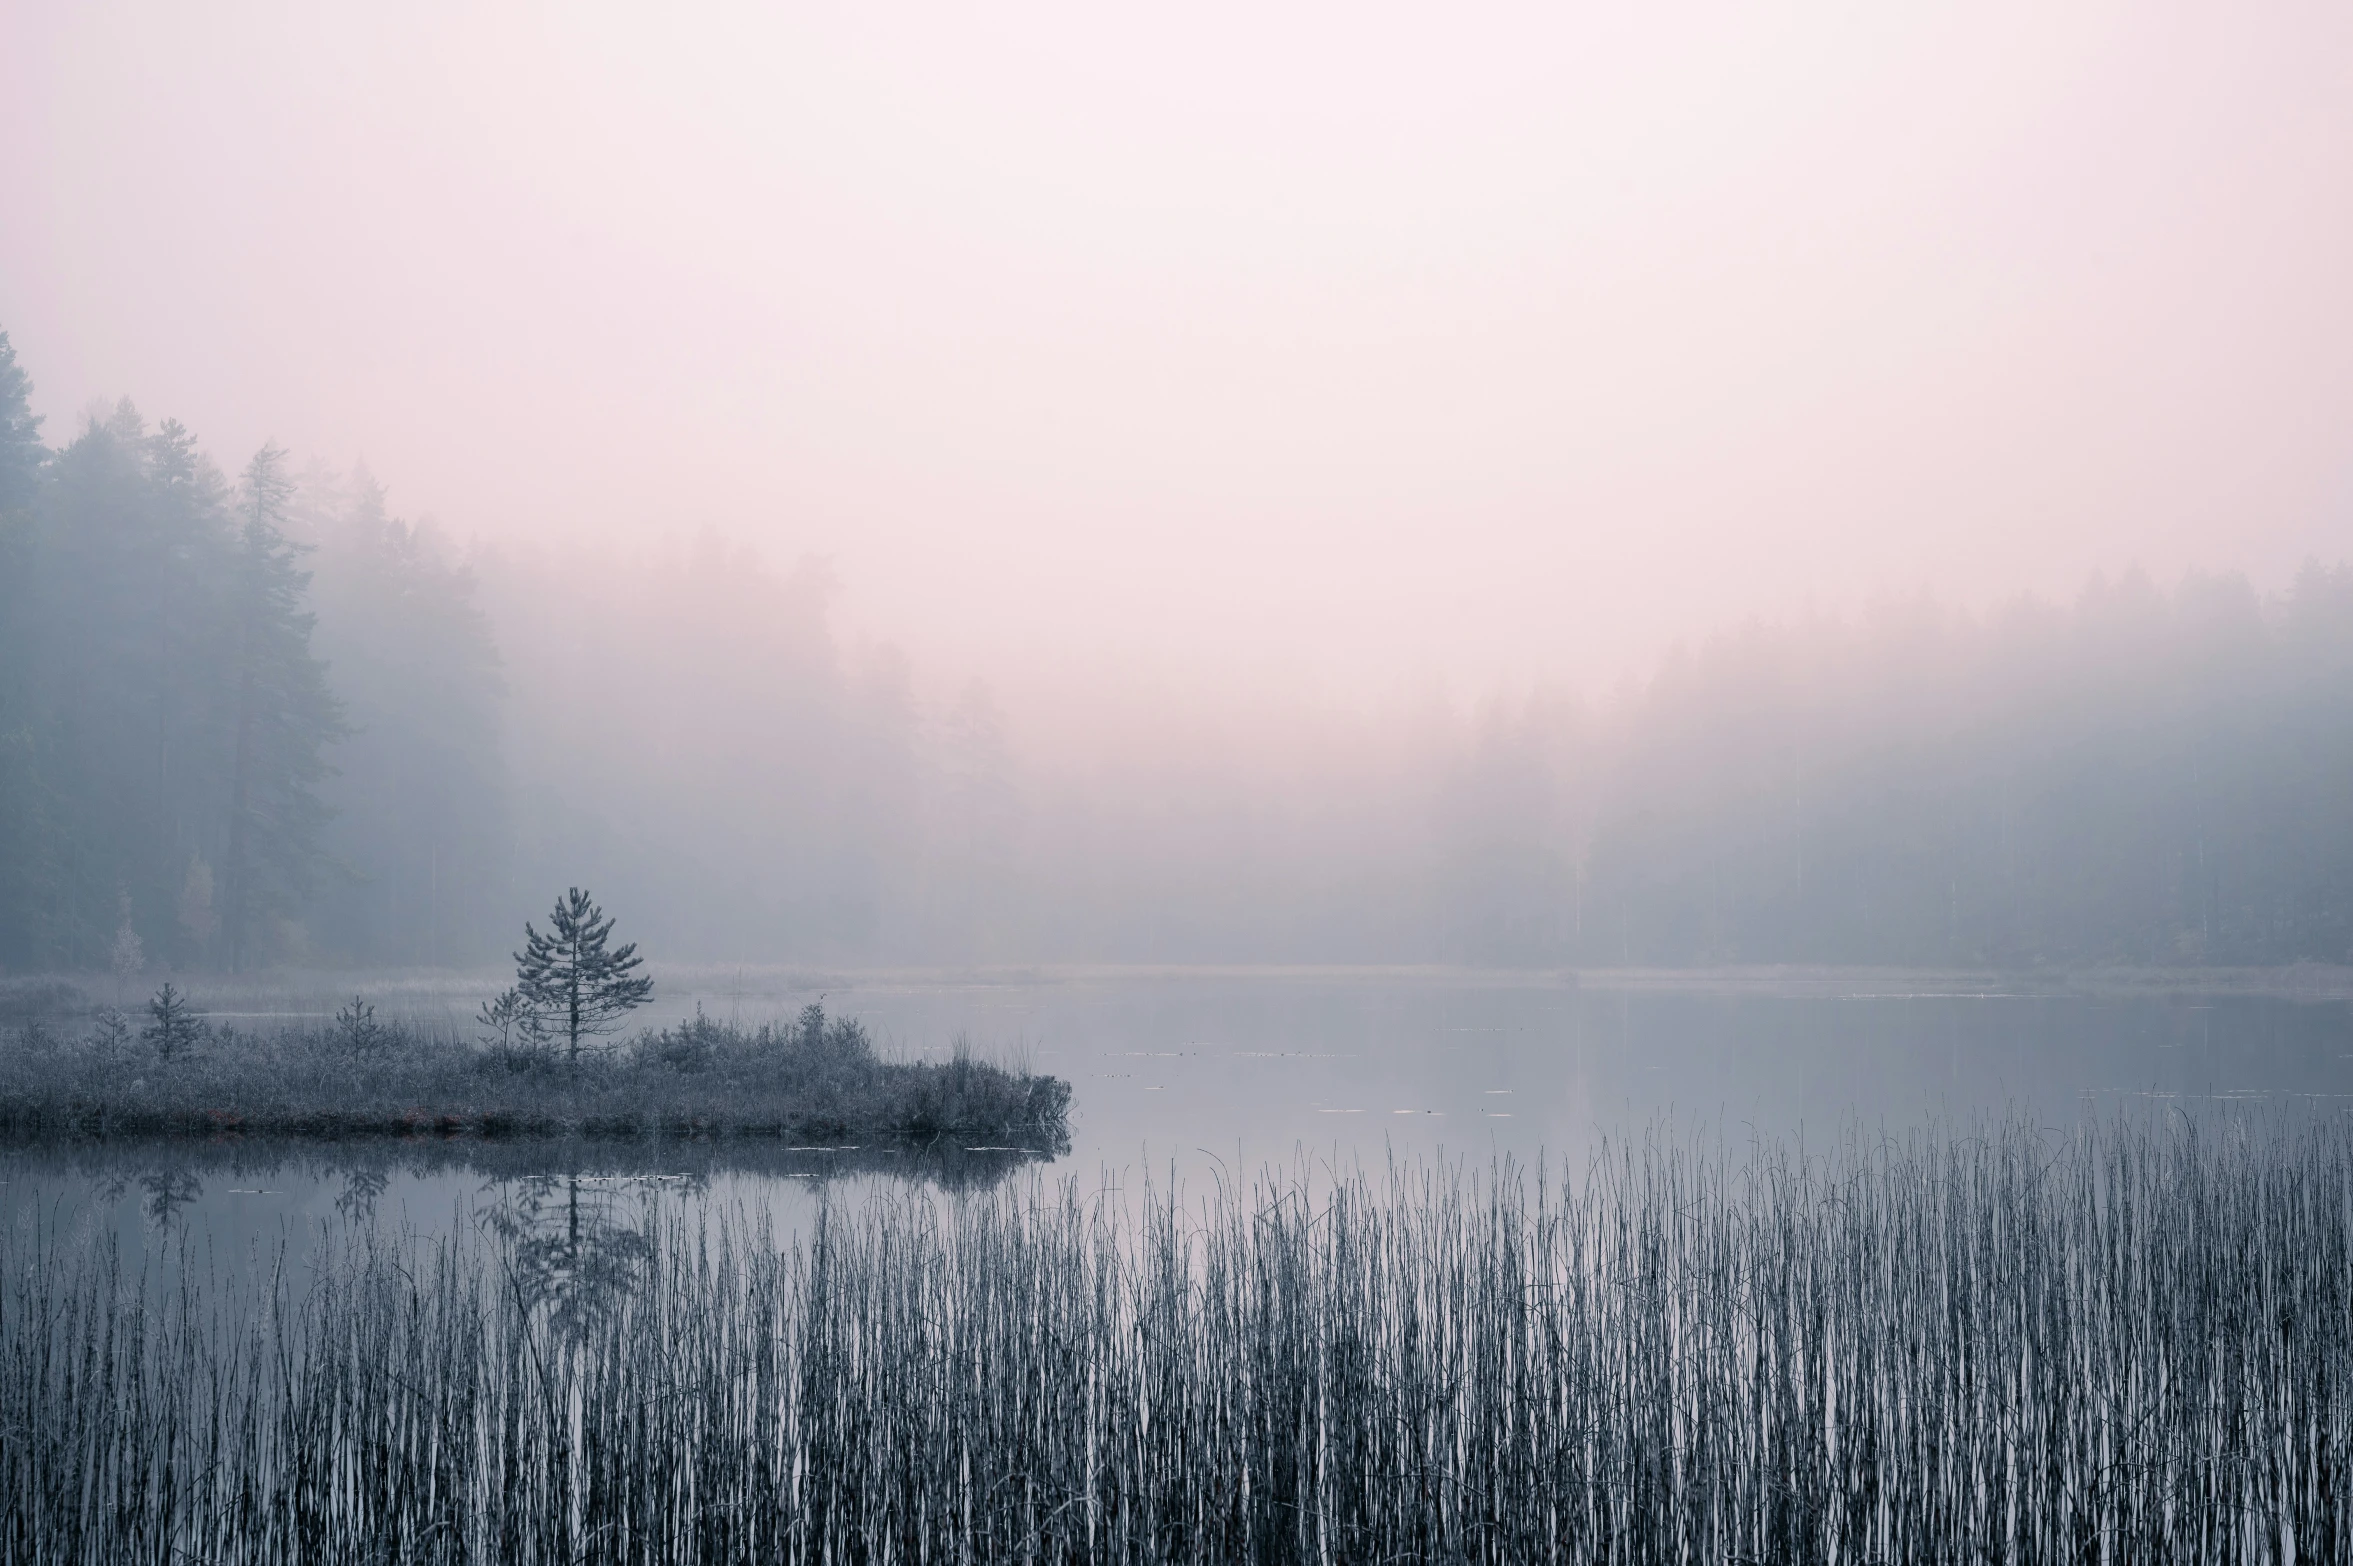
{"x":25,"y":871}
{"x":285,"y":716}
{"x":508,"y":1020}
{"x":574,"y":985}
{"x":175,"y":1029}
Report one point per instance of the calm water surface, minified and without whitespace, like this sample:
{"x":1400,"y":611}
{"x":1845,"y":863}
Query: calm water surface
{"x":1195,"y":1076}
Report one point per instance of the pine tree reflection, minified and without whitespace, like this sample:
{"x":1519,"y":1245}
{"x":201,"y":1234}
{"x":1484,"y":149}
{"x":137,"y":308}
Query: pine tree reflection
{"x":166,"y":1192}
{"x":356,"y":1202}
{"x":572,"y":1251}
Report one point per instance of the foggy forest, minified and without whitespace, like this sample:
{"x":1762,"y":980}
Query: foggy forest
{"x":259,"y":718}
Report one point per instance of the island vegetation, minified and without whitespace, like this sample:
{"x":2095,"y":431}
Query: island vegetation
{"x":816,"y":1079}
{"x":534,"y":1068}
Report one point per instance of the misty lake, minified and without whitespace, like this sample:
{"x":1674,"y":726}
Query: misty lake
{"x":1199,"y":1076}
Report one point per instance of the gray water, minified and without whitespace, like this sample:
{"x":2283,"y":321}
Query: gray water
{"x":1197,"y":1077}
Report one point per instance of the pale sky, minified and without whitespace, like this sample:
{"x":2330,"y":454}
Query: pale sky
{"x":1340,"y":346}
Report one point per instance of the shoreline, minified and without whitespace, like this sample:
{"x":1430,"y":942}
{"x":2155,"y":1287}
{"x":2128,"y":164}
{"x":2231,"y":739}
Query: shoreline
{"x":819,"y":1083}
{"x":44,"y":996}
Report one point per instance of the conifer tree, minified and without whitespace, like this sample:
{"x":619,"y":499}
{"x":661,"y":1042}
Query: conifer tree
{"x":120,"y":620}
{"x":573,"y":983}
{"x":166,"y":716}
{"x":176,"y":1028}
{"x":21,"y":452}
{"x":21,"y":460}
{"x":285,"y":714}
{"x":421,"y":798}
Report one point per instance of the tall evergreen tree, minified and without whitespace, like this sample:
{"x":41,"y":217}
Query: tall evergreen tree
{"x":22,"y":455}
{"x":284,"y":714}
{"x":129,"y":543}
{"x":576,"y":986}
{"x":22,"y":458}
{"x":164,"y":718}
{"x":421,"y":822}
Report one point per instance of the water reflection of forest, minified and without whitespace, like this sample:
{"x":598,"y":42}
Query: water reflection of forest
{"x":573,"y":1245}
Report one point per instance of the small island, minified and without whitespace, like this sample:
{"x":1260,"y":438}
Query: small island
{"x":537,"y":1066}
{"x":817,"y":1080}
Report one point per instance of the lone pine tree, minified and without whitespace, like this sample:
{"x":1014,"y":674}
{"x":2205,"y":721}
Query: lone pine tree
{"x":575,"y":987}
{"x":176,"y":1028}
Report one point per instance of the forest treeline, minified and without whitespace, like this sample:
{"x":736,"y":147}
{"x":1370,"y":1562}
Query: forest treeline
{"x":241,"y":720}
{"x":260,"y":719}
{"x":2139,"y":777}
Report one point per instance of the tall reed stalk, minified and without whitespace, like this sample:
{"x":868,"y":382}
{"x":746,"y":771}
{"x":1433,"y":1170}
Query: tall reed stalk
{"x":2130,"y":1345}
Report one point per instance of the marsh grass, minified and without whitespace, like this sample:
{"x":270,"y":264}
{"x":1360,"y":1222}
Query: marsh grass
{"x":2128,"y":1345}
{"x":818,"y":1079}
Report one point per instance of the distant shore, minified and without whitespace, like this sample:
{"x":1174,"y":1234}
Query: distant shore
{"x":2297,"y":981}
{"x":2312,"y":981}
{"x":442,"y":998}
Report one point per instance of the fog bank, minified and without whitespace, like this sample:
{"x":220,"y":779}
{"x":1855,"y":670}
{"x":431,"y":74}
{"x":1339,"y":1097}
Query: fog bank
{"x":266,"y":720}
{"x":1354,"y":347}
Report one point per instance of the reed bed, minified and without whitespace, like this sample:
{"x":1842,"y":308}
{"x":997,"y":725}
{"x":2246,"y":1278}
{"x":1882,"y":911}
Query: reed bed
{"x":2131,"y":1344}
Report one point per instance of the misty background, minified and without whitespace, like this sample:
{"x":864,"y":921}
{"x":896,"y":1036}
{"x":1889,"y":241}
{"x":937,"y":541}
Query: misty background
{"x":1529,"y":486}
{"x":264,"y":719}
